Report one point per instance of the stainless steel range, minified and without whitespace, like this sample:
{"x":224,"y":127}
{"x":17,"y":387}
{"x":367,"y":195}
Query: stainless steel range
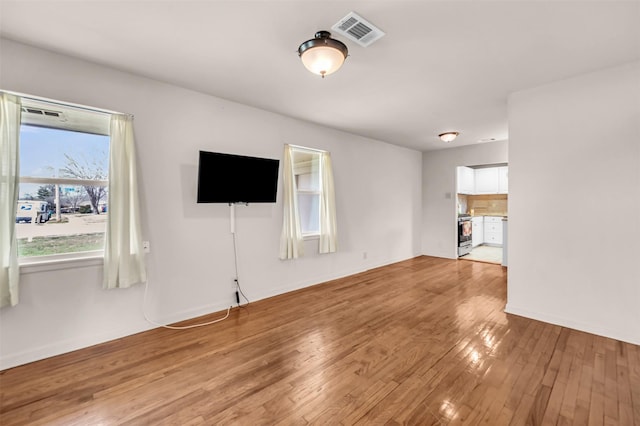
{"x":464,"y":234}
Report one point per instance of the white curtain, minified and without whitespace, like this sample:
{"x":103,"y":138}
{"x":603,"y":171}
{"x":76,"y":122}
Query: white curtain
{"x":328,"y":228}
{"x":9,"y":187}
{"x":291,"y":246}
{"x":123,"y":255}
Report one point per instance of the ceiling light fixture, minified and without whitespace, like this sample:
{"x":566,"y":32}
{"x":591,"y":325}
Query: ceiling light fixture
{"x":448,"y":136}
{"x":323,"y":55}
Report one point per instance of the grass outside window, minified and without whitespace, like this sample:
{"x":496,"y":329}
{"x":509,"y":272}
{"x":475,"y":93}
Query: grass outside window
{"x":48,"y":245}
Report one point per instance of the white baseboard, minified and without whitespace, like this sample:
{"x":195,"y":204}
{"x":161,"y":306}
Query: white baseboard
{"x":569,"y":323}
{"x":69,"y":345}
{"x":64,"y":346}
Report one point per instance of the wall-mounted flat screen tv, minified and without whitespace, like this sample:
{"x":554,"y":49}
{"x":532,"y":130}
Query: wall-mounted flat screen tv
{"x":229,"y":178}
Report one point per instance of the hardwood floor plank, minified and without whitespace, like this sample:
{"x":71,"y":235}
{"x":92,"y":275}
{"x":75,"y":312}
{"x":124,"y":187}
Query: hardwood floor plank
{"x":532,"y":372}
{"x":596,"y":407}
{"x":406,"y":396}
{"x":611,"y":385}
{"x":423,"y":341}
{"x":633,"y":361}
{"x":568,"y":407}
{"x":352,"y":408}
{"x":539,"y":406}
{"x":521,"y":415}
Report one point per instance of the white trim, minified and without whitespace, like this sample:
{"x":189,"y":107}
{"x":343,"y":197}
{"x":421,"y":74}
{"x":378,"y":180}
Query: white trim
{"x":68,"y":345}
{"x":309,"y":191}
{"x":304,"y":148}
{"x":35,"y":264}
{"x":569,"y":323}
{"x":65,"y":104}
{"x":89,"y":339}
{"x":63,"y":181}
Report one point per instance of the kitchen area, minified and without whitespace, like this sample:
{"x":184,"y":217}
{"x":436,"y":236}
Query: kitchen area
{"x":482,"y":212}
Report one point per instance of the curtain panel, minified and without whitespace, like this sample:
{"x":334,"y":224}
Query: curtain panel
{"x":124,"y":263}
{"x":10,"y":112}
{"x":291,"y":246}
{"x":328,"y":225}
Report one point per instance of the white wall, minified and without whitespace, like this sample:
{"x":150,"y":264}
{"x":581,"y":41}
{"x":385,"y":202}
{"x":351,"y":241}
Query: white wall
{"x":378,"y":191}
{"x":574,"y":182}
{"x":439,"y":214}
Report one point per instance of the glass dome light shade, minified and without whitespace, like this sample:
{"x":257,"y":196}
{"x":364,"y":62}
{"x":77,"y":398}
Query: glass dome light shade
{"x":322,"y":55}
{"x":448,"y":136}
{"x":322,"y":60}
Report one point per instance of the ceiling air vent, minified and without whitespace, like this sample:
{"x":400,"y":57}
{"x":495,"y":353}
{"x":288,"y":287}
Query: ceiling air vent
{"x":358,"y":29}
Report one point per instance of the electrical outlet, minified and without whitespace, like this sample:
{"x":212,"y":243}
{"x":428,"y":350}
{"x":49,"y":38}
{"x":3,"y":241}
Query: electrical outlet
{"x":146,"y":246}
{"x":364,"y":255}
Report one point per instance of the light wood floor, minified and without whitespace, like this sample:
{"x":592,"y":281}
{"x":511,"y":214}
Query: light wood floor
{"x":484,"y":253}
{"x":419,"y":342}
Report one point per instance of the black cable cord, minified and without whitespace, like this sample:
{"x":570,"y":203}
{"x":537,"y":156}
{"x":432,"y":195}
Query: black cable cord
{"x":245,"y":297}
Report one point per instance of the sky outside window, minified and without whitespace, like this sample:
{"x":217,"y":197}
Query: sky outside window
{"x":43,"y":149}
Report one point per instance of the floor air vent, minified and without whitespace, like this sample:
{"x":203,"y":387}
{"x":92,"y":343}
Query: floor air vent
{"x":358,"y":29}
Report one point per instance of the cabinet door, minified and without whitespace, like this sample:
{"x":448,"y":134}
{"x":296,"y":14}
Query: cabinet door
{"x":503,"y":180}
{"x":493,"y":230}
{"x":493,"y":238}
{"x":486,"y":180}
{"x":477,"y":231}
{"x":465,"y":180}
{"x":493,"y":219}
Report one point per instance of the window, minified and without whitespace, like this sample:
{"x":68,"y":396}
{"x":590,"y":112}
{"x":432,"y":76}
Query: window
{"x":64,"y":165}
{"x":308,"y":201}
{"x":306,"y":169}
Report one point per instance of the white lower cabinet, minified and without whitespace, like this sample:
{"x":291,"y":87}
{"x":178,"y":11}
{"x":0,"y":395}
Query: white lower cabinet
{"x":493,"y":238}
{"x":493,"y":230}
{"x":477,"y":231}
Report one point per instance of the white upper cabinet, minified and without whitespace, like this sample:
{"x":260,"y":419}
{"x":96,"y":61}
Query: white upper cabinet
{"x":486,"y":180}
{"x":466,"y":178}
{"x":503,"y":180}
{"x":491,"y":180}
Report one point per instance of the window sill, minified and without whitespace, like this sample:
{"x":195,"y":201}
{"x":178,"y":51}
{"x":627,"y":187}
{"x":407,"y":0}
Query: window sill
{"x":307,"y":237}
{"x":35,"y":264}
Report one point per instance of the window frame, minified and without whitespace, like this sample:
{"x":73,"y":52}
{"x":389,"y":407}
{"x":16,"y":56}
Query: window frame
{"x":91,"y":121}
{"x":316,"y":158}
{"x":313,"y":234}
{"x":61,"y":257}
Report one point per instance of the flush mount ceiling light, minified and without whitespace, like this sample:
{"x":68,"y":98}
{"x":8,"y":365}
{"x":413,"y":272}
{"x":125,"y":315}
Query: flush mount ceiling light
{"x":448,"y":136}
{"x":323,"y":55}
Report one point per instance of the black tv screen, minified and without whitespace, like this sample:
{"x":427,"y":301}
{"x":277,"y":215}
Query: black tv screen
{"x":228,"y":178}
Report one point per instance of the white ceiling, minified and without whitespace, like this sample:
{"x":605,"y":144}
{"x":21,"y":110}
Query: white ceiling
{"x":442,"y":66}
